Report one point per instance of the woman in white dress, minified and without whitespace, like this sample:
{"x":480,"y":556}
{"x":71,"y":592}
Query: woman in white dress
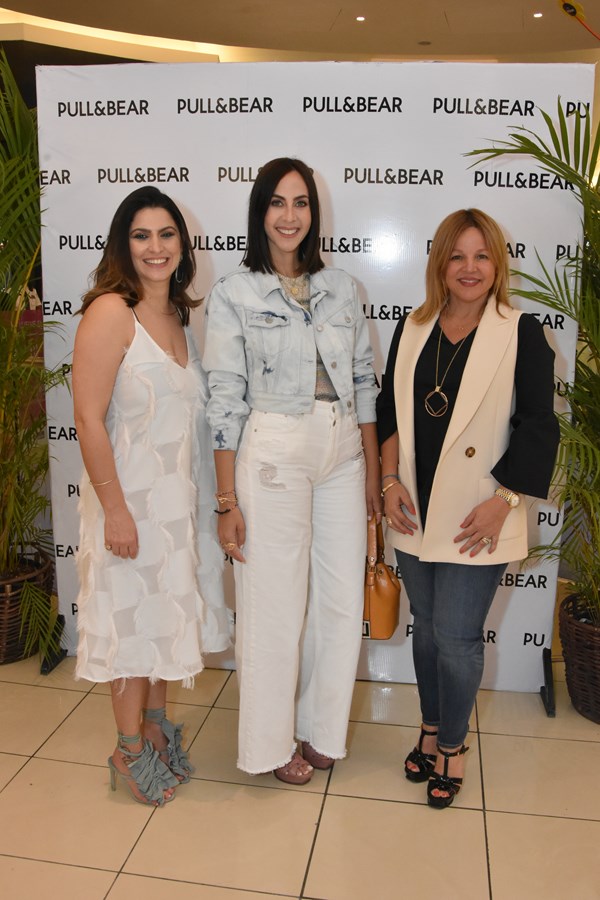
{"x":150,"y":597}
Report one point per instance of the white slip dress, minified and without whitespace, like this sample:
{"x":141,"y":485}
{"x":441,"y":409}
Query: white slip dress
{"x":154,"y":616}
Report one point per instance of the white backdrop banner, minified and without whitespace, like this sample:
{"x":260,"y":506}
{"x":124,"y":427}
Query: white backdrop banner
{"x":387,"y":143}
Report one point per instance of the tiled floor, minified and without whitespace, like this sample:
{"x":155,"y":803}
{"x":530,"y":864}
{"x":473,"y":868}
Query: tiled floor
{"x":525,"y":826}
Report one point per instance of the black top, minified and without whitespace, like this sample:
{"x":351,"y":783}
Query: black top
{"x":526,"y":466}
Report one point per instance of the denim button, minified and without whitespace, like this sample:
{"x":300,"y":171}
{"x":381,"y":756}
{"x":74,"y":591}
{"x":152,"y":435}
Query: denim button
{"x":268,"y":319}
{"x":348,"y":319}
{"x":334,"y":365}
{"x":470,"y":451}
{"x":349,"y":404}
{"x":319,"y":328}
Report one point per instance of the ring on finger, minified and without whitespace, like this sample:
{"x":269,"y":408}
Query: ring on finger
{"x":388,"y":520}
{"x":485,"y":540}
{"x":229,"y":545}
{"x":108,"y":546}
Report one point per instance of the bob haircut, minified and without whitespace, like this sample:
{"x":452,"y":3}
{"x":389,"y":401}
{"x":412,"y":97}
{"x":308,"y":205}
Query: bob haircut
{"x":444,"y":242}
{"x":258,"y":256}
{"x":115,"y":273}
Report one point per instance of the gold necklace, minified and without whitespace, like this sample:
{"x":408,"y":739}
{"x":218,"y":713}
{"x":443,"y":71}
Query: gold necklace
{"x":438,"y":392}
{"x":293,"y":284}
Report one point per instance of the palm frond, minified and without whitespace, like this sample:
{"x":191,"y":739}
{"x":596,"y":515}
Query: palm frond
{"x":572,"y":287}
{"x":38,"y":621}
{"x":24,"y":378}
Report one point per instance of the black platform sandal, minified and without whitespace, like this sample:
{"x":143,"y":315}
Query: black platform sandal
{"x":444,"y":782}
{"x":424,"y":761}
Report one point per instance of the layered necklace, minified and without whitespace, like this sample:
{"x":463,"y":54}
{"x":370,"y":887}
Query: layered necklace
{"x":295,"y":286}
{"x":436,"y":401}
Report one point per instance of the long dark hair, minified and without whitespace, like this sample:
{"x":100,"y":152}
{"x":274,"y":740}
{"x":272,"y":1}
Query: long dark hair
{"x":115,"y":272}
{"x":258,"y":256}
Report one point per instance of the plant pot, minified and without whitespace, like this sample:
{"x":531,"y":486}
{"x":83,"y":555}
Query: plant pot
{"x":581,"y":651}
{"x":39,"y":570}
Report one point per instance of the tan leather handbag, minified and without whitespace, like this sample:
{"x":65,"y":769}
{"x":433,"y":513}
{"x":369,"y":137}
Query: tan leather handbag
{"x":382,"y":589}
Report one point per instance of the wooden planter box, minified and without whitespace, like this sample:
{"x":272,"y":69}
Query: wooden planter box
{"x":581,"y":651}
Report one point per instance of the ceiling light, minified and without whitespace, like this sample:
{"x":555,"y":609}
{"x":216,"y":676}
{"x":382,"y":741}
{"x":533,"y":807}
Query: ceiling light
{"x":360,"y":18}
{"x":538,"y":15}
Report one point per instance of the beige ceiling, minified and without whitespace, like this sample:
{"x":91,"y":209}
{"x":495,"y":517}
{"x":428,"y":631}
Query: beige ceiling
{"x":328,"y":28}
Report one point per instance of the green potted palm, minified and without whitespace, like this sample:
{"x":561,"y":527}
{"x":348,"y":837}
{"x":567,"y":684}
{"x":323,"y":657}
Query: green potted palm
{"x":28,"y":620}
{"x":572,"y":287}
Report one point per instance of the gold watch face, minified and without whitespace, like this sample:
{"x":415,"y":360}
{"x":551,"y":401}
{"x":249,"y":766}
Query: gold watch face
{"x":511,"y":498}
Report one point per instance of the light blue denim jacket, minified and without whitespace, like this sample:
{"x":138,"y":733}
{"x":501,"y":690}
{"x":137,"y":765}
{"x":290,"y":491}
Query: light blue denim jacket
{"x":260,"y":350}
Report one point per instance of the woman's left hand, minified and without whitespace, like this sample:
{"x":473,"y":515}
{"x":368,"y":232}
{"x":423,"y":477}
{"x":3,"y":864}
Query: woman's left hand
{"x":482,"y":526}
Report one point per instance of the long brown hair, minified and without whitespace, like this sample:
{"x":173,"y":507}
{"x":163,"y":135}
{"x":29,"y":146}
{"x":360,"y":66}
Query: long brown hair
{"x":444,"y":241}
{"x":115,"y":273}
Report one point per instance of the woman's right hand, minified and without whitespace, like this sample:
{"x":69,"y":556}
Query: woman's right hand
{"x":231,"y":529}
{"x":395,"y":500}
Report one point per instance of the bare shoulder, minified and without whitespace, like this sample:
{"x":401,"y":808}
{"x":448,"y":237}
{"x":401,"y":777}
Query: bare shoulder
{"x":108,"y":312}
{"x":108,"y":306}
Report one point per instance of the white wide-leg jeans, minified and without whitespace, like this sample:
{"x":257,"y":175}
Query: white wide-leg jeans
{"x":300,"y":482}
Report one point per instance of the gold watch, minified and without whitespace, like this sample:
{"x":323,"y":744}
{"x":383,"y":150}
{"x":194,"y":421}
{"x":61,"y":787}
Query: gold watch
{"x":509,"y":496}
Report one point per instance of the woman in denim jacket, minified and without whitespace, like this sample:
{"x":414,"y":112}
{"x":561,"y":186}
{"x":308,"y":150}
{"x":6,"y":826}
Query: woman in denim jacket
{"x":292,"y":413}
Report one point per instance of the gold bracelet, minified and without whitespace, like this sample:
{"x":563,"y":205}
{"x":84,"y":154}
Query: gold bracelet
{"x":388,"y":486}
{"x":102,"y":483}
{"x":226,"y":497}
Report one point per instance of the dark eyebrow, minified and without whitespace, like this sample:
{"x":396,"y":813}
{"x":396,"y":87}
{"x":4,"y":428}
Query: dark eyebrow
{"x":299,"y":197}
{"x":148,"y":230}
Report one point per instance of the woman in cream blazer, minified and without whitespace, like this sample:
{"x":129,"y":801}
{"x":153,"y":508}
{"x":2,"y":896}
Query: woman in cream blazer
{"x":466,"y":427}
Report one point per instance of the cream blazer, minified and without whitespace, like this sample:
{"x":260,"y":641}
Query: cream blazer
{"x":477,"y":437}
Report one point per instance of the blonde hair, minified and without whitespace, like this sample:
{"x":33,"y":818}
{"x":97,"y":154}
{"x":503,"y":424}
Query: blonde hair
{"x":444,"y":242}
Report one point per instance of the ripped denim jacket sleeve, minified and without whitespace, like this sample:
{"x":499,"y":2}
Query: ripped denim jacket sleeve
{"x":225,"y":364}
{"x":366,"y":387}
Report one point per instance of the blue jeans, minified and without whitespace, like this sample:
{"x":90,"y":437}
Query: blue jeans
{"x":449,"y":603}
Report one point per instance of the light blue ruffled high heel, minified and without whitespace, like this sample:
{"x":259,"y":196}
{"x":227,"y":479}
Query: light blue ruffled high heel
{"x":148,"y":775}
{"x":173,"y":755}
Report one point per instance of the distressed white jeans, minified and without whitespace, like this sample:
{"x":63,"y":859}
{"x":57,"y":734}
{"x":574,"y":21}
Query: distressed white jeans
{"x":300,"y":482}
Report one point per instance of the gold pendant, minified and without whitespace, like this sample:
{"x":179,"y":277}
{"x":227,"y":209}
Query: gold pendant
{"x":431,"y":409}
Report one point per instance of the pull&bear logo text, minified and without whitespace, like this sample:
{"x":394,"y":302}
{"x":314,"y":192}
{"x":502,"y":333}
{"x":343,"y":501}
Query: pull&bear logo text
{"x":393,"y":176}
{"x":223,"y":105}
{"x":352,"y":104}
{"x":86,"y":108}
{"x":544,"y":181}
{"x":466,"y":106}
{"x":140,"y":175}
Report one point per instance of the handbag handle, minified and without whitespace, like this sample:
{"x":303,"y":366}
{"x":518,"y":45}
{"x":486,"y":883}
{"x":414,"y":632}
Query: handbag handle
{"x":375,"y":544}
{"x":372,"y":543}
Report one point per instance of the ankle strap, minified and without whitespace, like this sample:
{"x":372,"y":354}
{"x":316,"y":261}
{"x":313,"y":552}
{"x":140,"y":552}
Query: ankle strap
{"x":155,"y":715}
{"x":448,"y":754}
{"x":128,"y":738}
